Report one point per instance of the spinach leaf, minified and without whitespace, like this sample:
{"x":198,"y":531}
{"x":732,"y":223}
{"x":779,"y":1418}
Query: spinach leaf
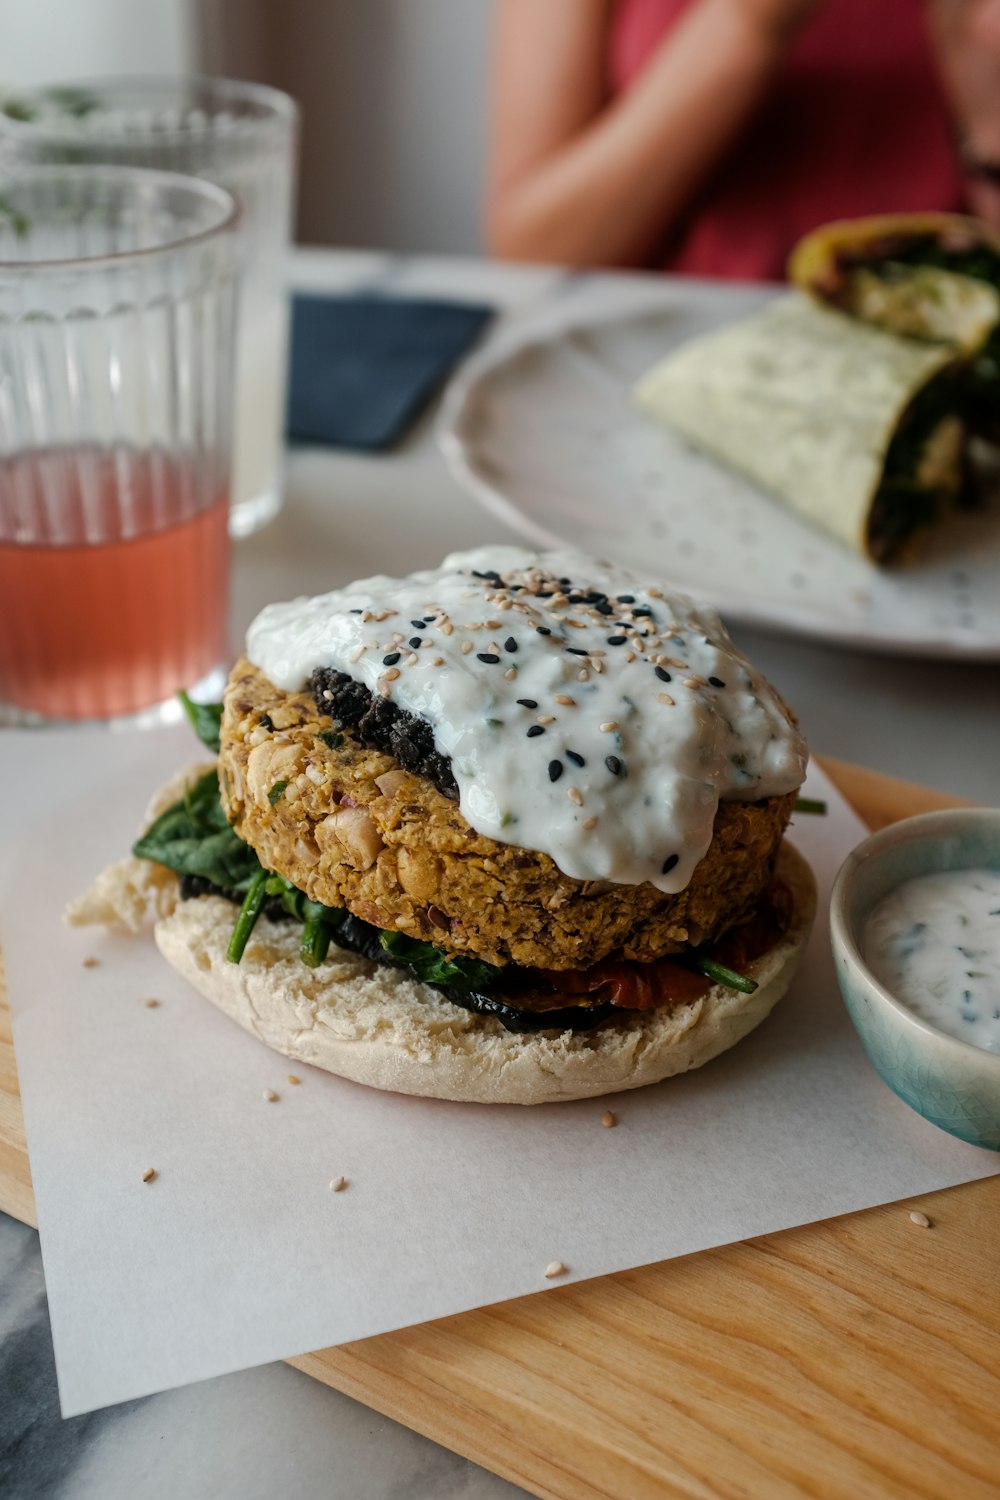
{"x":206,"y":720}
{"x":434,"y":967}
{"x":193,"y":838}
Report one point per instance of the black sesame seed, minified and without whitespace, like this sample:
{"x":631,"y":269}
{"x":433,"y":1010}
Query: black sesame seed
{"x":625,"y":598}
{"x":528,"y":702}
{"x":543,"y":630}
{"x":555,"y":769}
{"x":415,"y":641}
{"x":355,"y":611}
{"x":488,"y":656}
{"x":577,"y":760}
{"x":663,"y":674}
{"x":535,"y":729}
{"x":641,"y":610}
{"x":266,"y":721}
{"x":544,"y":594}
{"x":577,"y":651}
{"x":566,"y":582}
{"x":604,"y":608}
{"x":391,"y":659}
{"x":617,"y":640}
{"x":716,"y":682}
{"x":613,"y":764}
{"x":578,"y":599}
{"x":510,"y":644}
{"x":669,"y":863}
{"x":418,"y":624}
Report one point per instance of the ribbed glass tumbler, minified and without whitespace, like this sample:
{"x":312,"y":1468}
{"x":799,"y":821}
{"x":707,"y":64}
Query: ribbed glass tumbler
{"x":239,"y":135}
{"x":117,"y":334}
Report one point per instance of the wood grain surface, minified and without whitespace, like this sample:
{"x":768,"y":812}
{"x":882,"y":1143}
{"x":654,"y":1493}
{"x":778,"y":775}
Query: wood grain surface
{"x":854,"y":1359}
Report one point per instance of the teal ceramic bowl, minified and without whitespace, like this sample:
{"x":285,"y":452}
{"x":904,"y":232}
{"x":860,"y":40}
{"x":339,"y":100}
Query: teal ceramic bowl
{"x":951,"y":1083}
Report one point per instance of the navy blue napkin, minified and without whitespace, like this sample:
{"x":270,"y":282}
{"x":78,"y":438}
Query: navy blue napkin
{"x":364,"y":367}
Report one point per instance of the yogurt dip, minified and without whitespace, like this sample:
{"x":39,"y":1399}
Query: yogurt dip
{"x":934,"y":943}
{"x":586,"y":713}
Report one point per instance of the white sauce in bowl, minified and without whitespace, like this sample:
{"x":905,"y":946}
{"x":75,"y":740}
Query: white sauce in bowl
{"x":586,"y":714}
{"x":934,"y":943}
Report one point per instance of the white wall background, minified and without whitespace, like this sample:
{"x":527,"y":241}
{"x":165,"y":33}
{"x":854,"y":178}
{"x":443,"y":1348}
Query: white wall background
{"x":46,"y":41}
{"x":393,"y":101}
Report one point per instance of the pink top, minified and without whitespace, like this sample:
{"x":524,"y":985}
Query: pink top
{"x":855,"y":123}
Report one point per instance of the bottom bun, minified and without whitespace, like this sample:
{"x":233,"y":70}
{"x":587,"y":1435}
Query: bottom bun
{"x":382,"y":1027}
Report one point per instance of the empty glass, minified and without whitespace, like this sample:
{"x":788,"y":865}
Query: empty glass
{"x":239,"y":135}
{"x":118,"y":293}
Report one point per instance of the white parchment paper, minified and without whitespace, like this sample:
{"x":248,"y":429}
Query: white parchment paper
{"x":239,"y":1253}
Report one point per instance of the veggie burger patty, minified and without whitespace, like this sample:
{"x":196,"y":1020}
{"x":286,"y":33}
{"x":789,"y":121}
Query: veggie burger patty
{"x":346,"y":824}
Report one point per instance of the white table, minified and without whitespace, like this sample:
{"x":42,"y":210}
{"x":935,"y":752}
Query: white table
{"x":272,"y":1431}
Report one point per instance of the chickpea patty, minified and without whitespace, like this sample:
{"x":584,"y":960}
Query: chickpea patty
{"x":351,"y":828}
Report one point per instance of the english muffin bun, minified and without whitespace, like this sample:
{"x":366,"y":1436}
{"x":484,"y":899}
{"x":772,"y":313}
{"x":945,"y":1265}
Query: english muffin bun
{"x":379,"y":1026}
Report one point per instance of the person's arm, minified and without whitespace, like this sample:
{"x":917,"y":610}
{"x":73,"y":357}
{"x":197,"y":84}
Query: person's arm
{"x":578,"y":179}
{"x":966,"y":35}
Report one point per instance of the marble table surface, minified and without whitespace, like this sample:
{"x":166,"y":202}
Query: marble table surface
{"x":273,"y":1431}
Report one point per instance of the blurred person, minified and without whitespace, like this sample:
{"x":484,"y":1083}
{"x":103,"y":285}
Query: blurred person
{"x":706,"y":136}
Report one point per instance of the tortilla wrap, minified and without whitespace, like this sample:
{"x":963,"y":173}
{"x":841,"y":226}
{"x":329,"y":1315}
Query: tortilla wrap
{"x":803,"y":401}
{"x":928,"y":276}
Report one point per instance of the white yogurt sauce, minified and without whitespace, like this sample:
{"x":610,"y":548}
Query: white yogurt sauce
{"x":586,"y":715}
{"x":934,"y":942}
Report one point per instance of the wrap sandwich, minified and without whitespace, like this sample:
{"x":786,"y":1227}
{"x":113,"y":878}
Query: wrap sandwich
{"x":854,"y":429}
{"x":932,"y":276}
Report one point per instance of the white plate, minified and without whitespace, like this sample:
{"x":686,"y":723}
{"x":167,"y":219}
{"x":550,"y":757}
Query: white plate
{"x":539,"y":425}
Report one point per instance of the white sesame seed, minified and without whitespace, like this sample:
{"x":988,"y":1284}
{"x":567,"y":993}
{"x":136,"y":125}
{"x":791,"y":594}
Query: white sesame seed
{"x":565,"y":699}
{"x":510,"y":674}
{"x":438,"y":661}
{"x":583,"y":675}
{"x":328,"y":696}
{"x":397,"y":637}
{"x":630,"y":656}
{"x":151,"y":1004}
{"x":367,"y":617}
{"x":270,"y":1096}
{"x":589,"y":823}
{"x":506,"y":604}
{"x":609,"y":727}
{"x":598,"y":665}
{"x":608,"y":1119}
{"x":916,"y":1217}
{"x":391,"y":674}
{"x":412,"y":659}
{"x":577,"y":624}
{"x":546,"y":719}
{"x":466,"y":647}
{"x":355,"y":655}
{"x":91,"y":963}
{"x":555,"y":1268}
{"x":338,"y":1184}
{"x":493,"y":624}
{"x":665,"y":698}
{"x":575,"y":795}
{"x":149,"y":1174}
{"x":447,"y":627}
{"x":294,"y":1078}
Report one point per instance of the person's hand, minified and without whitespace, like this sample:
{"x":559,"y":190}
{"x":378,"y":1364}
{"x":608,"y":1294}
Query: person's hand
{"x":966,"y":36}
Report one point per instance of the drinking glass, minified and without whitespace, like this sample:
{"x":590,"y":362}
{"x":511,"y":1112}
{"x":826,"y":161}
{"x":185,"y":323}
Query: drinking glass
{"x":118,"y":293}
{"x":239,"y":135}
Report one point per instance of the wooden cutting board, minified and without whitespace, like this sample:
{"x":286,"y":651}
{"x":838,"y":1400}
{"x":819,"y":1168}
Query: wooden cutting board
{"x":854,"y":1358}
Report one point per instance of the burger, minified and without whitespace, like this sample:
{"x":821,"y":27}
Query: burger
{"x":509,"y":830}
